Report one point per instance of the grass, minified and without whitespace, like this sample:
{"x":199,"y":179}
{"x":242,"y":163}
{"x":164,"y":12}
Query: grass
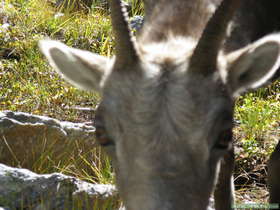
{"x":28,"y":84}
{"x":30,"y":76}
{"x":256,"y":135}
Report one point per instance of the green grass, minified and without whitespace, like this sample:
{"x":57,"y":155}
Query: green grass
{"x":137,"y":7}
{"x":255,"y":138}
{"x":259,"y":117}
{"x":31,"y":76}
{"x":29,"y":84}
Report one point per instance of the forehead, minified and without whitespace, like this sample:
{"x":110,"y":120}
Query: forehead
{"x":171,"y":113}
{"x":167,"y":89}
{"x":166,"y":94}
{"x":177,"y":49}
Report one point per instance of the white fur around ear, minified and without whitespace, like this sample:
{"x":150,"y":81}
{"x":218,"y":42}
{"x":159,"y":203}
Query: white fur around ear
{"x":253,"y":65}
{"x":81,"y":68}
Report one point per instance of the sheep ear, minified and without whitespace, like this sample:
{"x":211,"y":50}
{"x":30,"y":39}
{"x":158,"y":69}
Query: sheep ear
{"x":253,"y":65}
{"x":82,"y":69}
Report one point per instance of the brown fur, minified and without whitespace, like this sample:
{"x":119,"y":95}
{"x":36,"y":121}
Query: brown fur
{"x":182,"y":18}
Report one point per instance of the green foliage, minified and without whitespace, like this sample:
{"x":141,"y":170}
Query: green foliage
{"x":259,"y":117}
{"x":137,"y":7}
{"x":29,"y":84}
{"x":29,"y":75}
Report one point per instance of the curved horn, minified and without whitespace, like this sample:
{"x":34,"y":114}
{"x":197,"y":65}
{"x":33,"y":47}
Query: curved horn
{"x":204,"y":58}
{"x":125,"y":47}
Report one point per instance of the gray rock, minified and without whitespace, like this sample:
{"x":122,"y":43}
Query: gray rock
{"x":25,"y":137}
{"x":71,"y":131}
{"x":23,"y":189}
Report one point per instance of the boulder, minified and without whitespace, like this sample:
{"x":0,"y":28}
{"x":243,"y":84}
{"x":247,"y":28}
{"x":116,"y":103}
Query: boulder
{"x":26,"y":138}
{"x":23,"y":189}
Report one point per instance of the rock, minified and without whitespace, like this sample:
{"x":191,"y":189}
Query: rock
{"x":23,"y":189}
{"x":25,"y":138}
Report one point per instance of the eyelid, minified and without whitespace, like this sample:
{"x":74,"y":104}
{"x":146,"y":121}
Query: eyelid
{"x":226,"y":121}
{"x":102,"y":137}
{"x":101,"y":134}
{"x":222,"y":130}
{"x":224,"y":139}
{"x":100,"y":131}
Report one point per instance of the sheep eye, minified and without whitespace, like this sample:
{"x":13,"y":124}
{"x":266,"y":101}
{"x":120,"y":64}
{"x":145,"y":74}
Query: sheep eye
{"x":224,"y":139}
{"x":102,"y":137}
{"x":101,"y":134}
